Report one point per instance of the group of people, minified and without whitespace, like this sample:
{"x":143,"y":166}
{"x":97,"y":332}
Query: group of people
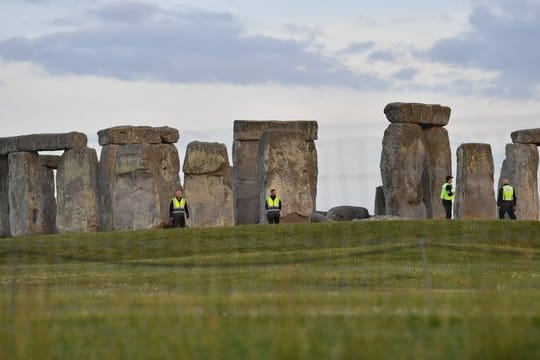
{"x":506,"y":203}
{"x":506,"y":198}
{"x":179,"y":211}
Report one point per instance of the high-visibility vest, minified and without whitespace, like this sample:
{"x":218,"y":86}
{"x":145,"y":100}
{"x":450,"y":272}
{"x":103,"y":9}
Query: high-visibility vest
{"x":273,"y":204}
{"x":508,"y":193}
{"x":444,"y":193}
{"x":178,"y":205}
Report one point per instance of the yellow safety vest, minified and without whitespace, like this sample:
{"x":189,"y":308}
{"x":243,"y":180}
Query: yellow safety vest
{"x":508,"y":193}
{"x":178,"y":206}
{"x":444,"y":193}
{"x":273,"y":205}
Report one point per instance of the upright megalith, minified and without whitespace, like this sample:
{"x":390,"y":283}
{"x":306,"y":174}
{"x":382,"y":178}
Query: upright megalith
{"x":402,"y":166}
{"x":32,"y":205}
{"x":475,"y":197}
{"x":76,"y":191}
{"x":380,"y":203}
{"x":416,"y":134}
{"x":521,"y":168}
{"x":245,"y":152}
{"x":138,"y":173}
{"x":286,"y":162}
{"x":4,"y":198}
{"x":437,"y":165}
{"x":207,"y":184}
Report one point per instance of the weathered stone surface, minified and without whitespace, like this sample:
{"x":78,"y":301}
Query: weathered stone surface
{"x":32,"y":206}
{"x":121,"y":135}
{"x":521,"y":168}
{"x":50,"y":161}
{"x":4,"y":198}
{"x":530,"y":136}
{"x":168,"y":177}
{"x":318,"y":217}
{"x":437,"y":165}
{"x":286,"y":164}
{"x":347,"y":213}
{"x":106,"y":179}
{"x":42,"y":142}
{"x":207,"y":184}
{"x":417,"y":113}
{"x":76,"y":189}
{"x":252,"y":130}
{"x":245,"y":158}
{"x":380,"y":203}
{"x":475,"y":196}
{"x":135,"y":192}
{"x":206,"y":158}
{"x":210,"y":200}
{"x":402,"y":166}
{"x":153,"y":168}
{"x":168,"y":135}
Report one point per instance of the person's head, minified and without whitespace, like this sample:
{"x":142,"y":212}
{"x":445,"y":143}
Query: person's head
{"x":178,"y":194}
{"x":449,"y":178}
{"x":273,"y":192}
{"x":505,"y":181}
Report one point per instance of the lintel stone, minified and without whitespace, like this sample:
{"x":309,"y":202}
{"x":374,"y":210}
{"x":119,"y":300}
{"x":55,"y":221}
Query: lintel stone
{"x":43,"y":142}
{"x":253,"y":129}
{"x":530,"y":136}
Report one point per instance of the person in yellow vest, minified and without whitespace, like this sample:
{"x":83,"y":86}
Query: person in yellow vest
{"x":447,"y":195}
{"x":273,"y":207}
{"x":178,"y":210}
{"x":506,"y":200}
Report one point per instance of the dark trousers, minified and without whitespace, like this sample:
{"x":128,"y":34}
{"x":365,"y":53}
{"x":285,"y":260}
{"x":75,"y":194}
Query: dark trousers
{"x":507,"y":207}
{"x":178,"y":220}
{"x":273,"y":217}
{"x":448,"y":208}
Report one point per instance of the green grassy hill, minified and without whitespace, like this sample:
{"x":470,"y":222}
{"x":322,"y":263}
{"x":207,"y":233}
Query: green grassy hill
{"x":388,"y":289}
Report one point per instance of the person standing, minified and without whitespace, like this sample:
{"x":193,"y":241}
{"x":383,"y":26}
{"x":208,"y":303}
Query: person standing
{"x":506,"y":200}
{"x":178,"y":210}
{"x":447,"y":195}
{"x":273,"y":207}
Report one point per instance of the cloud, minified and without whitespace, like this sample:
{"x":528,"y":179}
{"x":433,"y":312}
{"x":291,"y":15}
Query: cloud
{"x":138,"y":41}
{"x":405,"y":74}
{"x":358,"y":47}
{"x":383,"y":55}
{"x":502,"y":38}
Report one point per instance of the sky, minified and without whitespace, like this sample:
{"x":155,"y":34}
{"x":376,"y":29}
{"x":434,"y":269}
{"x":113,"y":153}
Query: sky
{"x":86,"y":65}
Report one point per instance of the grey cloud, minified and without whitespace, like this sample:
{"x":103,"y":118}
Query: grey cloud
{"x":383,"y":55}
{"x":196,"y":46}
{"x":126,"y":11}
{"x":358,"y":47}
{"x":405,"y":74}
{"x":505,"y":44}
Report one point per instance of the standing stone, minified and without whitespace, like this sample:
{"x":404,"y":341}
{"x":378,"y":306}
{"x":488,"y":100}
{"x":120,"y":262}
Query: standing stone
{"x":4,"y":198}
{"x":135,"y":193}
{"x":402,"y":166}
{"x":106,"y":179}
{"x":380,"y":206}
{"x":76,"y":189}
{"x":247,"y":135}
{"x":521,"y":168}
{"x":141,"y":161}
{"x":475,"y":197}
{"x":168,"y":177}
{"x":207,"y":184}
{"x":286,"y":163}
{"x":32,"y":206}
{"x":438,"y":165}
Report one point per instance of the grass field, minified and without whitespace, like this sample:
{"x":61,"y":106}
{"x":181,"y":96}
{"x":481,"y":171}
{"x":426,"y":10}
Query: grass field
{"x":381,"y":289}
